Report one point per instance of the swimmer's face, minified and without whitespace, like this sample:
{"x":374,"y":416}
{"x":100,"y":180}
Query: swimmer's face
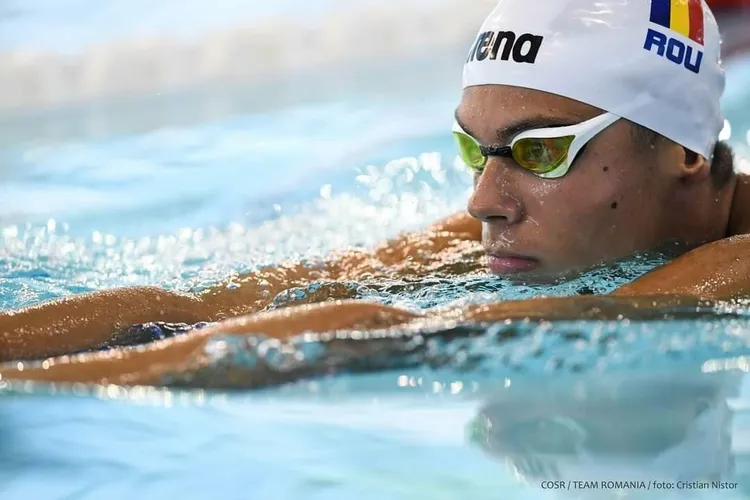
{"x":614,"y":202}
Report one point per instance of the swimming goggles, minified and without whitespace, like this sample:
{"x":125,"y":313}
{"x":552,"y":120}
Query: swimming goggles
{"x":545,"y":152}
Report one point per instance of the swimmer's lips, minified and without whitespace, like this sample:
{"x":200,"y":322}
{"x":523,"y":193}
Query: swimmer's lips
{"x":503,"y":263}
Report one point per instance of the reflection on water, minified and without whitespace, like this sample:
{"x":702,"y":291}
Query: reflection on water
{"x":635,"y":428}
{"x":403,"y":434}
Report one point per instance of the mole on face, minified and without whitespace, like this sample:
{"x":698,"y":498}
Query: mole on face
{"x":614,"y":205}
{"x":605,"y":168}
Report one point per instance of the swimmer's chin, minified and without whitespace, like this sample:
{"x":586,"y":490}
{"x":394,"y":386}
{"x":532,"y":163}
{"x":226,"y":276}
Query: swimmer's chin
{"x":508,"y":270}
{"x":538,"y":274}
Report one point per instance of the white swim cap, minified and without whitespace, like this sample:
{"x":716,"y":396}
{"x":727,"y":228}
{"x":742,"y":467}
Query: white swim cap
{"x":654,"y":62}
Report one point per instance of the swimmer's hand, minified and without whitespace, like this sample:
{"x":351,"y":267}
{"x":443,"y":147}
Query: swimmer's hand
{"x":715,"y":271}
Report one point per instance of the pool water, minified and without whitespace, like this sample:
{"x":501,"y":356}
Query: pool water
{"x":139,"y":175}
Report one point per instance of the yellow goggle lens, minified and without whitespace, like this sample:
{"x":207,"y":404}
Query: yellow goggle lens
{"x":542,"y":156}
{"x":469,"y":151}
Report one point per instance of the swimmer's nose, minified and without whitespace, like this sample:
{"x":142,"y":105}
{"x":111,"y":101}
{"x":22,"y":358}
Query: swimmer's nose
{"x":491,"y":200}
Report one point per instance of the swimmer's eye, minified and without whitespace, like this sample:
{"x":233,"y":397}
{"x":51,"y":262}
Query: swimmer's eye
{"x":545,"y":152}
{"x":542,"y":155}
{"x":470,"y":151}
{"x":537,"y":155}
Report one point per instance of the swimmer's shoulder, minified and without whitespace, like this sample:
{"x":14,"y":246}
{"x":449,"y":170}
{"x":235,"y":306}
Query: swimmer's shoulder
{"x":739,"y":220}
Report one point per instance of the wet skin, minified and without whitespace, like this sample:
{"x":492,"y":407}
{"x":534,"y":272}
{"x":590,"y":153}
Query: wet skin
{"x":618,"y":199}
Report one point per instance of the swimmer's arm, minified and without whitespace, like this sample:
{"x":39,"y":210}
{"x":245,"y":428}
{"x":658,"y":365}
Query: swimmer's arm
{"x":715,"y":271}
{"x":185,"y":357}
{"x":450,"y":245}
{"x":84,"y":321}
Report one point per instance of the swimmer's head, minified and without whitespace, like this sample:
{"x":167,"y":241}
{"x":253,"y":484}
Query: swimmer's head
{"x":591,"y":126}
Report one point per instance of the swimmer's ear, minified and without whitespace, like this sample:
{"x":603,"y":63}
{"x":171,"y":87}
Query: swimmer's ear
{"x":692,"y":166}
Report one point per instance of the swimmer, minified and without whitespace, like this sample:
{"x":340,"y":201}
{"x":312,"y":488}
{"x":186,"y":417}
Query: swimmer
{"x":592,"y":134}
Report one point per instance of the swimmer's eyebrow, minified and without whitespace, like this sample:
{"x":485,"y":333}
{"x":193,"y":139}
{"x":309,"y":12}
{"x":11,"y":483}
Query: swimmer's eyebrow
{"x":506,"y":134}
